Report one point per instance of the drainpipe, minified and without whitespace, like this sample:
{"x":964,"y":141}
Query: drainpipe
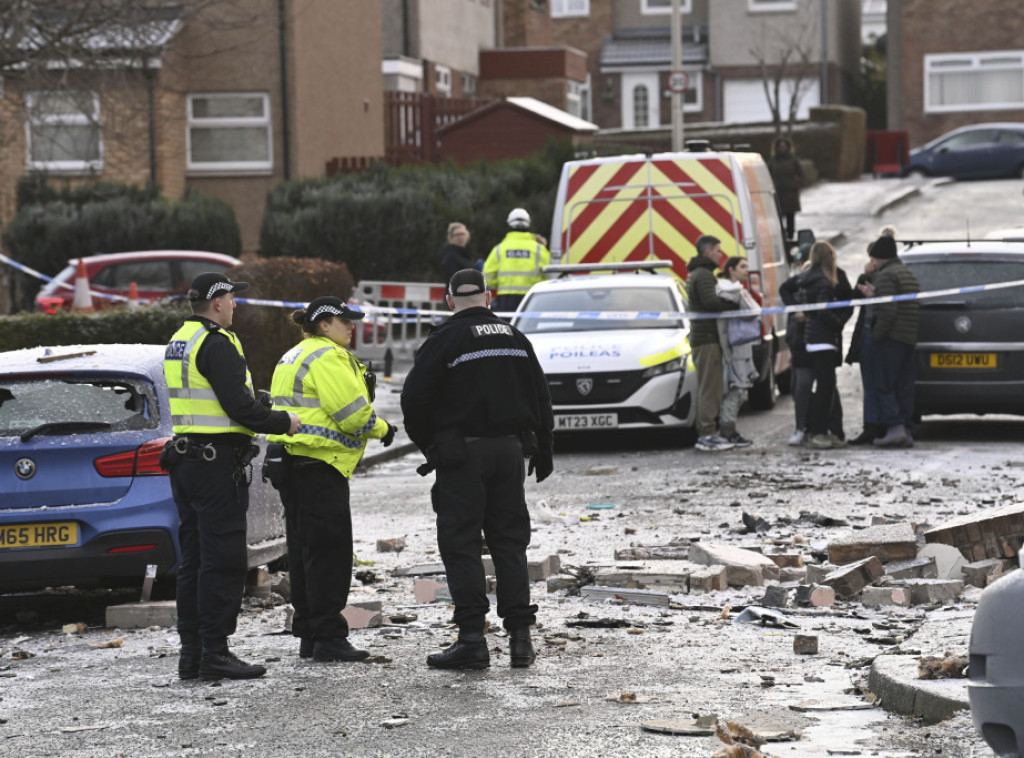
{"x":286,"y":132}
{"x":824,"y":52}
{"x":150,"y":76}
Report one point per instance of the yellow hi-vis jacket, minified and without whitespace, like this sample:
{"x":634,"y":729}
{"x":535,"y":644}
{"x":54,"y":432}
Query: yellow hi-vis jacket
{"x":194,"y":405}
{"x":324,"y":384}
{"x":514,"y":264}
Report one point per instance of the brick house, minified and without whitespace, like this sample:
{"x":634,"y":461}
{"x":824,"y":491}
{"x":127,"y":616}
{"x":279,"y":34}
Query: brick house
{"x":230,"y":100}
{"x":950,"y":64}
{"x":627,"y":44}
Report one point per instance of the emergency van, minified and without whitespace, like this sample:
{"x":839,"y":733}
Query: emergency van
{"x":631,"y":208}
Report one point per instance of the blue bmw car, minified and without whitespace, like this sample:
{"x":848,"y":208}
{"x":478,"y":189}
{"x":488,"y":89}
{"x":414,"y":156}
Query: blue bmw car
{"x":83,"y":500}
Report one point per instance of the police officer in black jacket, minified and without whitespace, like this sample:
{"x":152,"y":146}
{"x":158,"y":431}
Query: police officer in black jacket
{"x":214,"y":414}
{"x":476,"y":402}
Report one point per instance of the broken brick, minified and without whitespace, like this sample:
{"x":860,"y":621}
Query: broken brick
{"x":805,"y":644}
{"x":887,"y":542}
{"x":849,"y":580}
{"x":391,"y":545}
{"x":993,"y":533}
{"x":742,"y":567}
{"x":885,"y":596}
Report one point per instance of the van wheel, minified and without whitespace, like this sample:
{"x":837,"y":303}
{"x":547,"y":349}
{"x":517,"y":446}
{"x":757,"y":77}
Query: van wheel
{"x":762,"y":395}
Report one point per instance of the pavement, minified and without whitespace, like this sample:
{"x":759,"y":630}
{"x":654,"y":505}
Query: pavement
{"x":830,"y":209}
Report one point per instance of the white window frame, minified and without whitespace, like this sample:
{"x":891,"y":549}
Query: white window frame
{"x":971,"y":63}
{"x":229,"y":167}
{"x":646,"y":9}
{"x":443,"y":80}
{"x":69,"y":119}
{"x":569,"y":8}
{"x":697,"y":87}
{"x":771,"y":6}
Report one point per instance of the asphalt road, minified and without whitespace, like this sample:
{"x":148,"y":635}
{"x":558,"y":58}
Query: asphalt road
{"x":596,"y":682}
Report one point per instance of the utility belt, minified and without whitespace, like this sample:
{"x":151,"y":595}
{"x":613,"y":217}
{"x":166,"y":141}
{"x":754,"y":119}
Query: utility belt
{"x":449,"y":448}
{"x":182,"y":448}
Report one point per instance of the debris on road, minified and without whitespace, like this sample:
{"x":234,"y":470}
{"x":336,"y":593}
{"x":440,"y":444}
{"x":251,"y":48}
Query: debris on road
{"x":949,"y":666}
{"x":888,"y":542}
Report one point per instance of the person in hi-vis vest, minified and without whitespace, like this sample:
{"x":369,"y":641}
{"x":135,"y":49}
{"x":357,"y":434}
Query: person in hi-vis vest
{"x":214,"y":415}
{"x":332,"y":392}
{"x":515,"y":264}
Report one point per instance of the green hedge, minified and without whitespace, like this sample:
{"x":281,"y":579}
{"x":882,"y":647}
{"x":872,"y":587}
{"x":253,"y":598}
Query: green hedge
{"x":149,"y":326}
{"x":390,"y":223}
{"x":53,"y":226}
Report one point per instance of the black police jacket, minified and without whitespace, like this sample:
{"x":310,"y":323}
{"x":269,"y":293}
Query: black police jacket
{"x":479,"y":375}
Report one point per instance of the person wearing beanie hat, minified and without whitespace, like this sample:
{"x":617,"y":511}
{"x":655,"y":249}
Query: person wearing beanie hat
{"x":883,"y":248}
{"x":515,"y":264}
{"x":332,"y":393}
{"x":215,"y":414}
{"x":894,"y":327}
{"x":476,"y":402}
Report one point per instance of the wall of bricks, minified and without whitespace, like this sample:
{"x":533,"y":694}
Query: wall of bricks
{"x":945,"y":26}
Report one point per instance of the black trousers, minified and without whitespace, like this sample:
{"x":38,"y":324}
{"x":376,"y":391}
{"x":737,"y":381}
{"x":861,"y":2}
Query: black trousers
{"x":485,"y":495}
{"x":825,"y":397}
{"x":212,"y":499}
{"x":319,"y":523}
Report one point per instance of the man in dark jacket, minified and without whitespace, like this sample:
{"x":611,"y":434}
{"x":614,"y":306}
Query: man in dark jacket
{"x":707,"y":351}
{"x":476,"y":402}
{"x":893,"y":337}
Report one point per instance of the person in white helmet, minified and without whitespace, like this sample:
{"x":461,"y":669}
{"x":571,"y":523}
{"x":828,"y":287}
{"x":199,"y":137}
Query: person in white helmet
{"x":514,"y":264}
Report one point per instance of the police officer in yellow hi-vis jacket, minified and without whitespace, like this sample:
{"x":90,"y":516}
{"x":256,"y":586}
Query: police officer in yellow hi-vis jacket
{"x":514,"y":264}
{"x":214,"y":415}
{"x":328,"y":387}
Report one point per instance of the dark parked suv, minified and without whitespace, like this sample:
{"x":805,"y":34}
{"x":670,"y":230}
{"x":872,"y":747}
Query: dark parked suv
{"x":970,"y":350}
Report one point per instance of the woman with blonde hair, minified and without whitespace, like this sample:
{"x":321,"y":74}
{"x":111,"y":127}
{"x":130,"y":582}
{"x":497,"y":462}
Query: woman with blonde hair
{"x":455,"y":254}
{"x":825,"y":282}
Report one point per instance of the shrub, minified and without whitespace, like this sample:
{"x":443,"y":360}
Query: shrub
{"x":390,"y":223}
{"x":152,"y":325}
{"x":53,"y":226}
{"x":267,"y":332}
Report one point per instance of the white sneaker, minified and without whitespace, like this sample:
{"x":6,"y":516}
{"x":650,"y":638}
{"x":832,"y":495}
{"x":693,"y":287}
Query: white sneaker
{"x":713,"y":443}
{"x":797,"y":438}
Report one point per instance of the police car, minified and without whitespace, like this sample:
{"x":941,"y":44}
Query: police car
{"x":614,"y":346}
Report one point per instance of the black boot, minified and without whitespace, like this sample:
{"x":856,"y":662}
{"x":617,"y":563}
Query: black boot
{"x":305,"y":647}
{"x":223,"y":664}
{"x":521,"y":648}
{"x":337,"y":649}
{"x":870,"y":434}
{"x":191,"y":652}
{"x":469,"y":651}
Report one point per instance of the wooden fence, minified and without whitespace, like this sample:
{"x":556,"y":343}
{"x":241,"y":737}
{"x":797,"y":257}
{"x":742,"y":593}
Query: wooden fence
{"x":411,"y":121}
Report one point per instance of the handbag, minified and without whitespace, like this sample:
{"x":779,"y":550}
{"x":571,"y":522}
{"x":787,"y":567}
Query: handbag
{"x":740,"y":331}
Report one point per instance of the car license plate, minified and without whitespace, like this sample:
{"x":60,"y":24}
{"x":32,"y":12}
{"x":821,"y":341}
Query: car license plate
{"x":570,"y":422}
{"x":38,"y":535}
{"x":964,"y":360}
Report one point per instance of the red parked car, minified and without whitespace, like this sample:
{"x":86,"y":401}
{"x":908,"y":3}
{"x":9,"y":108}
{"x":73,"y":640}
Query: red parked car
{"x":156,"y":274}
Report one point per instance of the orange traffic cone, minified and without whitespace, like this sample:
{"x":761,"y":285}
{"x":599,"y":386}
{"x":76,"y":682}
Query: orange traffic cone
{"x":83,"y":298}
{"x":133,"y":295}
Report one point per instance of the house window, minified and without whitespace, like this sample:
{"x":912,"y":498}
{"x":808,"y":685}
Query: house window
{"x":973,"y":81}
{"x":443,"y":80}
{"x":230,"y":133}
{"x":768,"y":6}
{"x":468,"y":85}
{"x":561,"y":8}
{"x":586,"y":111}
{"x":641,"y":105}
{"x":63,"y":131}
{"x":572,"y":98}
{"x":663,"y":7}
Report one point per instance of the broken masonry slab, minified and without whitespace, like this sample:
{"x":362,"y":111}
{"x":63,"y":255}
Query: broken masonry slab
{"x":948,"y":560}
{"x":887,"y":542}
{"x":850,"y":579}
{"x":653,"y":552}
{"x":545,"y":567}
{"x":142,"y":615}
{"x":992,"y":533}
{"x":883,"y":596}
{"x":816,"y":572}
{"x":637,"y":597}
{"x":928,"y":591}
{"x":916,"y":568}
{"x":391,"y":545}
{"x":426,"y":590}
{"x":560,"y":582}
{"x":983,"y":573}
{"x":420,"y":569}
{"x":742,"y":567}
{"x":360,"y":617}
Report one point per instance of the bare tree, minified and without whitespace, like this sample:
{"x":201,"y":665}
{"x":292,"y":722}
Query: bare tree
{"x":784,"y":53}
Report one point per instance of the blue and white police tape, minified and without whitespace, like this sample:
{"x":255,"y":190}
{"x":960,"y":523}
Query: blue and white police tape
{"x":38,"y":275}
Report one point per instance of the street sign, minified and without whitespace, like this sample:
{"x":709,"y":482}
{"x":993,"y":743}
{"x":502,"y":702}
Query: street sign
{"x":678,"y":81}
